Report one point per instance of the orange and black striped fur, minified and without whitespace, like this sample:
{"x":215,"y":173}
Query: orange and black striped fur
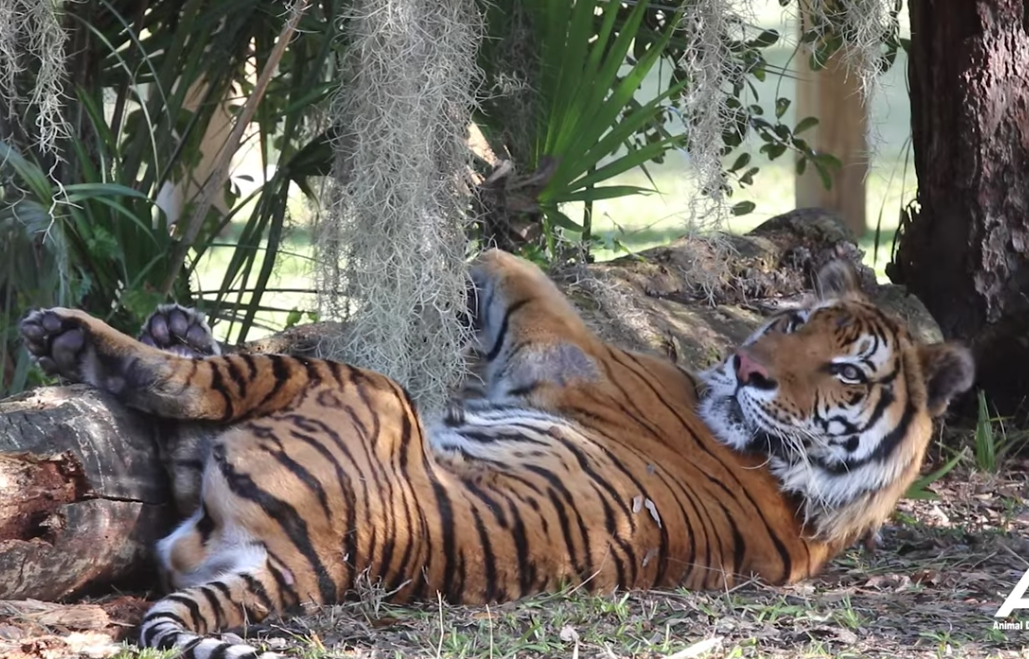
{"x":580,"y":463}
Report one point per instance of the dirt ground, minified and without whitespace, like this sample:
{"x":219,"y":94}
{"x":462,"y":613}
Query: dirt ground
{"x":930,"y":590}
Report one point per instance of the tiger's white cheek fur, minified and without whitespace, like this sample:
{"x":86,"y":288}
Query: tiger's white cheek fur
{"x":717,"y":407}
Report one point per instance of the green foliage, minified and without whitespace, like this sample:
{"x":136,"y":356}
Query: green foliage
{"x":585,"y":63}
{"x":992,"y":440}
{"x":83,"y":228}
{"x":587,"y":97}
{"x":920,"y":488}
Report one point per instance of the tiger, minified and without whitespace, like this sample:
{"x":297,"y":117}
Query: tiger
{"x":578,"y":463}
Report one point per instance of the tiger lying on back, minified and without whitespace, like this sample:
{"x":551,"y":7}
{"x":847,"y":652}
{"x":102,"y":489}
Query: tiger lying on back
{"x":581,"y":464}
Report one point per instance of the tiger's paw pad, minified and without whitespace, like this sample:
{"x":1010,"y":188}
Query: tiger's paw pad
{"x":56,"y":341}
{"x":179,"y":330}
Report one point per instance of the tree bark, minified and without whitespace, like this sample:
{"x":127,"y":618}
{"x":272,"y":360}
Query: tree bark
{"x":965,"y":251}
{"x":82,"y":494}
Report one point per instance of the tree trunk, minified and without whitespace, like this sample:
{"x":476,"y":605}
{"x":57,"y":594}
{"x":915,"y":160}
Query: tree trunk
{"x":965,"y":251}
{"x":833,"y":94}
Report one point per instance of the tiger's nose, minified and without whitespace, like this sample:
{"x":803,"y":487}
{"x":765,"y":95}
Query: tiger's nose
{"x":750,"y":372}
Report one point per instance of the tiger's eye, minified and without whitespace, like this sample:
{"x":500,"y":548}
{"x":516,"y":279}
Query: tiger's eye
{"x":850,"y":373}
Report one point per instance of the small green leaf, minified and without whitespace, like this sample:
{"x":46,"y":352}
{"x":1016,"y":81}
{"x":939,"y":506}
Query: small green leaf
{"x":829,"y":160}
{"x":294,"y":317}
{"x":782,"y":104}
{"x":765,"y":39}
{"x":743,"y":207}
{"x":748,"y":177}
{"x":598,"y":193}
{"x":741,"y":162}
{"x":801,"y":166}
{"x":805,"y":124}
{"x":823,"y":173}
{"x":562,"y":220}
{"x":773,"y":150}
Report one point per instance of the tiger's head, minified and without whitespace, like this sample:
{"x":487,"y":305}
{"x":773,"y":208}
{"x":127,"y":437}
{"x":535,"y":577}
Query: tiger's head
{"x":839,"y":398}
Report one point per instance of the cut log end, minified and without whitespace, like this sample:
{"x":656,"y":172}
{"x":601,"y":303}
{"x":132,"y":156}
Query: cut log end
{"x":32,"y":489}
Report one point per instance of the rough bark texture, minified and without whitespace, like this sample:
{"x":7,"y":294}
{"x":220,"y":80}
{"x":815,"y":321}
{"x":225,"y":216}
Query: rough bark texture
{"x":965,"y":252}
{"x":83,"y":496}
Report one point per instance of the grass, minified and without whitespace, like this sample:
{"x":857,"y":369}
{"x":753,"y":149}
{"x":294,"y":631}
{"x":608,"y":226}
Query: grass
{"x":993,"y":440}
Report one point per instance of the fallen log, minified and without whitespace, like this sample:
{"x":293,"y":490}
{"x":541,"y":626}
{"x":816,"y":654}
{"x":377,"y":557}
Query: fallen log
{"x":83,"y":496}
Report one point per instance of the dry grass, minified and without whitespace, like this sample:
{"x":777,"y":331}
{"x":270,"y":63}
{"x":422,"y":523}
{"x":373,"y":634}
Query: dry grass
{"x":929,"y":591}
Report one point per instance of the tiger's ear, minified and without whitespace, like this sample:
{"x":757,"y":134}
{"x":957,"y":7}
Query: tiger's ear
{"x":949,"y":370}
{"x":836,"y":279}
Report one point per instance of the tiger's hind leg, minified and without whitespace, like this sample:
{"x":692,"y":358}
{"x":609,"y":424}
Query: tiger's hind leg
{"x":184,"y":446}
{"x":530,"y":338}
{"x":223,"y":389}
{"x":179,"y":330}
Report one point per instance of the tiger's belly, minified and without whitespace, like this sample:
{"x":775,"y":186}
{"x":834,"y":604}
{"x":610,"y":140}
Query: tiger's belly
{"x":494,"y":506}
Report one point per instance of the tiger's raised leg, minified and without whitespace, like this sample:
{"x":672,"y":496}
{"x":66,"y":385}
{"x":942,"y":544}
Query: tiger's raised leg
{"x":530,"y":337}
{"x":185,"y":446}
{"x":76,"y":346}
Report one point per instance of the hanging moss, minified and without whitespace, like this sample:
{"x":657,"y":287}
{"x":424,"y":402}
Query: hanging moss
{"x":393,"y":240}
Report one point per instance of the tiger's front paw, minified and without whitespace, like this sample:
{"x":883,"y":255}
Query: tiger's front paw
{"x":57,"y":338}
{"x":179,"y":330}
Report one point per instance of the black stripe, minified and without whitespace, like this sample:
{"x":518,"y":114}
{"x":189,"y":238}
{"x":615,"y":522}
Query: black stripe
{"x":251,"y":366}
{"x":223,"y":589}
{"x":526,"y":569}
{"x":292,"y":466}
{"x":498,"y":341}
{"x":311,"y":366}
{"x":524,"y":390}
{"x":610,"y":524}
{"x":558,"y":499}
{"x":405,"y":568}
{"x":288,"y":518}
{"x":739,"y":486}
{"x":235,"y":375}
{"x":280,"y":373}
{"x":488,"y":558}
{"x":151,"y":630}
{"x":287,"y":593}
{"x":258,"y":590}
{"x":222,"y":651}
{"x":198,"y":624}
{"x":216,"y":606}
{"x":187,"y":649}
{"x":318,"y":429}
{"x":218,"y":387}
{"x":446,"y":520}
{"x":671,"y":482}
{"x":886,"y":398}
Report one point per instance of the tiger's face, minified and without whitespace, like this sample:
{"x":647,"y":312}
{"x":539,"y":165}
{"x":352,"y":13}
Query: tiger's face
{"x":837,"y":395}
